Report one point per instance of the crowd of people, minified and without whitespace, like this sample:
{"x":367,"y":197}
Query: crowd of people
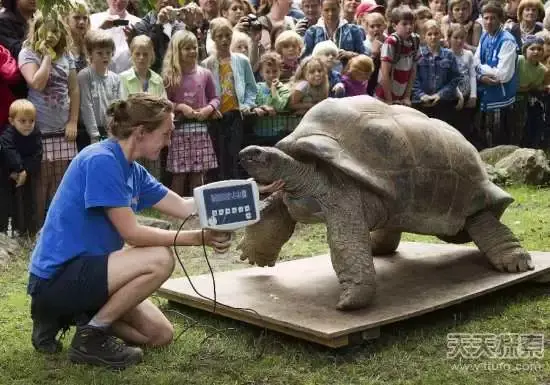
{"x":236,"y":69}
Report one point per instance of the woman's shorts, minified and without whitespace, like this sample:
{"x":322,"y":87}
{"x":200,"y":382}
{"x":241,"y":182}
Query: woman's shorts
{"x":75,"y":293}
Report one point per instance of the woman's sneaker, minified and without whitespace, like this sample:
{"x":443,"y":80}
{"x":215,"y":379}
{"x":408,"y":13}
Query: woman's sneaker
{"x":94,"y":346}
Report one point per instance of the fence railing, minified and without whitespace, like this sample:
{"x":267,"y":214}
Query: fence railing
{"x":206,"y":151}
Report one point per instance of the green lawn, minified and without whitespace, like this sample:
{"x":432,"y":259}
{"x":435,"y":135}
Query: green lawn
{"x":409,"y":352}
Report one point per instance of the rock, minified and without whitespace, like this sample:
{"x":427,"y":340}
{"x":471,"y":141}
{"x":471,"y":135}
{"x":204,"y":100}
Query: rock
{"x":497,"y":176}
{"x":494,"y":154}
{"x":526,"y":166}
{"x":154,"y":222}
{"x":8,"y":248}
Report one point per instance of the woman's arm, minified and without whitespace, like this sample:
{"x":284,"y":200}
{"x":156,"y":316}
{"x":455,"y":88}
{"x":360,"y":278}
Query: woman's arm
{"x":175,"y":206}
{"x":135,"y":234}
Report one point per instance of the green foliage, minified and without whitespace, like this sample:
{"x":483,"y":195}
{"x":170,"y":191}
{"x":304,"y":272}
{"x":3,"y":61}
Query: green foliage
{"x":61,"y":7}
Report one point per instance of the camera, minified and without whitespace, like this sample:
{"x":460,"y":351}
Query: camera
{"x":253,"y":22}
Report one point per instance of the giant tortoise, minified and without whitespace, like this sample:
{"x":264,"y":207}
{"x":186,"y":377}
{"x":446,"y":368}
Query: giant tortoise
{"x":371,"y":171}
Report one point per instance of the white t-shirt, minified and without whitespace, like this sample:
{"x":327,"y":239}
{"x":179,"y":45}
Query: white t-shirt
{"x":122,"y":57}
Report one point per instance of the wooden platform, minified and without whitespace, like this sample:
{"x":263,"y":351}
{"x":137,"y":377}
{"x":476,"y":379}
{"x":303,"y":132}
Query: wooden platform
{"x":299,"y":297}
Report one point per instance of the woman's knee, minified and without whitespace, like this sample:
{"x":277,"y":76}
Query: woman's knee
{"x":162,"y":260}
{"x":164,"y":335}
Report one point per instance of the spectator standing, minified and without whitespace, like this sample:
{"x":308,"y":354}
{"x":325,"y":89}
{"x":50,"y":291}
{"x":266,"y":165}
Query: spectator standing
{"x":118,"y":23}
{"x":495,"y":61}
{"x":48,"y":68}
{"x":20,"y":156}
{"x":9,"y":75}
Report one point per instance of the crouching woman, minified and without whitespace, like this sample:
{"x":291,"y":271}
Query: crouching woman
{"x":79,"y":271}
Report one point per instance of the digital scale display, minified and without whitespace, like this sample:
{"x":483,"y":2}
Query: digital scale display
{"x":228,"y":204}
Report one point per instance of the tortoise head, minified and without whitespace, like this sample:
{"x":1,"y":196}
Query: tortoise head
{"x":264,"y":164}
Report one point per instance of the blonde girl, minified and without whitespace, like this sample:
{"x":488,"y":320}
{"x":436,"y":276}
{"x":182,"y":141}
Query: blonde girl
{"x":192,"y":90}
{"x":140,"y":78}
{"x":310,"y":85}
{"x":357,"y":74}
{"x":48,"y":67}
{"x":78,"y":21}
{"x":241,"y":43}
{"x":289,"y":45}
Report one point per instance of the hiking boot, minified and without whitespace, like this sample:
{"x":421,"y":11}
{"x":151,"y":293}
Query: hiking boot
{"x":94,"y":346}
{"x":44,"y":334}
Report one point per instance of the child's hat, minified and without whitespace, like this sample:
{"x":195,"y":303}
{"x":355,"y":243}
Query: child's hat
{"x":366,"y":8}
{"x":530,"y":40}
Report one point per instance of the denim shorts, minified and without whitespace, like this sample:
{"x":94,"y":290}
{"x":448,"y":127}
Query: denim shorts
{"x":75,"y":293}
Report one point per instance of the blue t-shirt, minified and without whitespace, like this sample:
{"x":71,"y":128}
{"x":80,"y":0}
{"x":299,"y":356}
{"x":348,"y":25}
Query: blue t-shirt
{"x":77,"y":225}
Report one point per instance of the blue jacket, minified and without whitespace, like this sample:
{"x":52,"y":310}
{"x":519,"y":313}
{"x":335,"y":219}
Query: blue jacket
{"x":492,"y":97}
{"x":436,"y":74}
{"x":349,"y":37}
{"x":243,"y":78}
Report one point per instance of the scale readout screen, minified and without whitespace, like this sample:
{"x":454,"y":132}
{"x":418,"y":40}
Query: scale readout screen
{"x":230,"y":204}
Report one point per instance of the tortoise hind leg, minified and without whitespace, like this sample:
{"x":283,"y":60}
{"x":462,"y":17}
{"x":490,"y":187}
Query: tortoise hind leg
{"x":263,"y":240}
{"x":498,"y":243}
{"x":384,"y":242}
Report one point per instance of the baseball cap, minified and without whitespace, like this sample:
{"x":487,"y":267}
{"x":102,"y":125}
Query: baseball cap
{"x":365,"y":8}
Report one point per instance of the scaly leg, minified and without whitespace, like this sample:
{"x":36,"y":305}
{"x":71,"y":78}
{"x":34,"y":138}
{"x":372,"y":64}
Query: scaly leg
{"x":498,"y":243}
{"x":263,"y":240}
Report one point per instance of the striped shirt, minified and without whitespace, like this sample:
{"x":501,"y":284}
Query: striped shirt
{"x":402,"y":66}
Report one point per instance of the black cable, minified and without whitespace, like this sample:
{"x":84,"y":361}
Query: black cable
{"x":214,"y":300}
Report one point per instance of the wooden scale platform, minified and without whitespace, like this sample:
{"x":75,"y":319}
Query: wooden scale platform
{"x":299,"y":297}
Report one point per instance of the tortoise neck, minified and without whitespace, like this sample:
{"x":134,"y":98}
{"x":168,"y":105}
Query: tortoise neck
{"x":302,"y":179}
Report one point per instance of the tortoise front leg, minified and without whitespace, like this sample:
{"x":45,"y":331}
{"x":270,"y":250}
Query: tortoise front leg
{"x":498,"y":243}
{"x":263,"y":240}
{"x":350,"y":252}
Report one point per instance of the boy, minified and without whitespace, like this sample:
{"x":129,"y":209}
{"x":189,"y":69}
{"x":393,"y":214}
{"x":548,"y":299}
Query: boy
{"x":398,"y":59}
{"x":272,"y":99}
{"x":20,"y":157}
{"x":98,"y":86}
{"x":327,"y":51}
{"x":375,"y":25}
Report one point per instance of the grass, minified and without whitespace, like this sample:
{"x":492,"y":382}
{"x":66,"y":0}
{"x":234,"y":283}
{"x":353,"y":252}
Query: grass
{"x":409,"y":352}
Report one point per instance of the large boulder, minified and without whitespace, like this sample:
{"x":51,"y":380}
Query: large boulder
{"x":526,"y":166}
{"x":496,"y":175}
{"x":153,"y":222}
{"x":8,"y":248}
{"x":493,"y":154}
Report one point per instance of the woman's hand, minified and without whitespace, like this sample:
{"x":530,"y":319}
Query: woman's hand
{"x":272,"y":187}
{"x":218,"y":240}
{"x":70,"y":132}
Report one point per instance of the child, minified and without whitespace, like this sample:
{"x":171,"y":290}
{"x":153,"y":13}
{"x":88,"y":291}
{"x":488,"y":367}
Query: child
{"x":438,"y":8}
{"x":375,"y":25}
{"x":99,"y":87}
{"x":398,"y":56}
{"x":140,"y":78}
{"x":394,"y":4}
{"x":237,"y":89}
{"x":48,"y":68}
{"x":460,"y":12}
{"x":289,"y":45}
{"x":529,"y":131}
{"x":21,"y":153}
{"x":9,"y":76}
{"x":241,"y":43}
{"x":357,"y":74}
{"x":272,"y":99}
{"x":545,"y":36}
{"x":327,"y":51}
{"x":79,"y":24}
{"x":191,"y":88}
{"x":437,"y":76}
{"x":421,"y":15}
{"x":310,"y":85}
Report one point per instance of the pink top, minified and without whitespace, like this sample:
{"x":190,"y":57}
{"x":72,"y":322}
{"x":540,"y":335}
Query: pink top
{"x":196,"y":89}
